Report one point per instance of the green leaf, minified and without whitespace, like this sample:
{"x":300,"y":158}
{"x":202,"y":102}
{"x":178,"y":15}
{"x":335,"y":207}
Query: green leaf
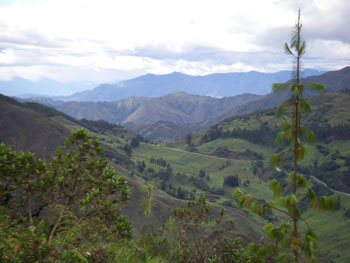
{"x":301,"y":181}
{"x":278,"y":87}
{"x":276,"y":160}
{"x":285,"y":125}
{"x":292,"y":200}
{"x":305,"y":106}
{"x":311,"y":138}
{"x":268,"y":228}
{"x":276,"y":187}
{"x":280,"y":138}
{"x":302,"y":48}
{"x":327,"y":203}
{"x":282,"y":202}
{"x":316,"y":86}
{"x":237,"y":194}
{"x":301,"y":151}
{"x":311,"y":194}
{"x":296,"y":92}
{"x":262,"y":252}
{"x":287,"y":49}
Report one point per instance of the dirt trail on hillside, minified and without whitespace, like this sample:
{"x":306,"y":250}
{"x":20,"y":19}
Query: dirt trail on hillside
{"x":221,"y":158}
{"x":326,"y":185}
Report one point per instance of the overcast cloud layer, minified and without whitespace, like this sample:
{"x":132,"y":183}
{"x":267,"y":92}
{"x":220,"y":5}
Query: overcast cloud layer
{"x":109,"y":40}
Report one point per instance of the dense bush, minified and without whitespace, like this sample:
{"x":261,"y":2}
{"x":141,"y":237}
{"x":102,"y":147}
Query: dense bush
{"x":63,"y":211}
{"x":231,"y":181}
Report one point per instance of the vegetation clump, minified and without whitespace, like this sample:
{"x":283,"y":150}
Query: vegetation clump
{"x":61,"y":211}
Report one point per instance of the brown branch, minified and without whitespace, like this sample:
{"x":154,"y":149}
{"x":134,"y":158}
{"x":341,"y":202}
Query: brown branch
{"x":55,"y":226}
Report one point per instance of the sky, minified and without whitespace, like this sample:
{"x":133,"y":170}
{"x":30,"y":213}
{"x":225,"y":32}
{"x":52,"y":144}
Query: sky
{"x":109,"y":40}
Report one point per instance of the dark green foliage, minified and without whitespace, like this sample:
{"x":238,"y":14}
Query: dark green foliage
{"x":181,"y":194}
{"x":100,"y":125}
{"x":128,"y":150}
{"x":66,"y":207}
{"x":265,"y":135}
{"x":202,"y":173}
{"x":196,"y":234}
{"x":141,"y":166}
{"x":212,"y":134}
{"x":159,"y":162}
{"x":200,"y":183}
{"x":231,"y":181}
{"x":188,"y":139}
{"x":135,"y":142}
{"x":225,"y":165}
{"x":223,"y":151}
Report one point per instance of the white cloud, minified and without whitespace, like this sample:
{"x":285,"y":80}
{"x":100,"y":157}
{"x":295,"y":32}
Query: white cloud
{"x":106,"y":40}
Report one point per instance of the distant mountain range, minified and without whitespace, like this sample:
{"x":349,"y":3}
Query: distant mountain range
{"x":215,"y":85}
{"x":172,"y":116}
{"x":45,"y":87}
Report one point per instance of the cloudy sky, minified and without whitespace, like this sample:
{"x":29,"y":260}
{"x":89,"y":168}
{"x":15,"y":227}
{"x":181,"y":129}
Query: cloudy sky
{"x":110,"y":40}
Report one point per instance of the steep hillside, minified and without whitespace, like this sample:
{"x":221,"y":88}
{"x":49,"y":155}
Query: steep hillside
{"x":29,"y":127}
{"x":161,"y":132}
{"x":330,"y":121}
{"x":250,"y":138}
{"x":41,"y":129}
{"x":219,"y":85}
{"x":177,"y":108}
{"x":335,"y":81}
{"x":239,"y":147}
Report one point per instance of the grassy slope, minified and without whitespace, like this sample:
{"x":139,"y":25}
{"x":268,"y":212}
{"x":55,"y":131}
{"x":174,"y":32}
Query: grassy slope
{"x":329,"y":110}
{"x":37,"y":128}
{"x":25,"y":127}
{"x":334,"y":241}
{"x":190,"y":163}
{"x":332,"y":236}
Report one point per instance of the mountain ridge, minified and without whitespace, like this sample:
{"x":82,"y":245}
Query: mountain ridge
{"x":216,"y":85}
{"x":179,"y":107}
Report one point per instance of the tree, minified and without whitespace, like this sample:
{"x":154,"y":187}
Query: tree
{"x":79,"y":176}
{"x":231,"y":181}
{"x":195,"y":233}
{"x":71,"y":204}
{"x":135,"y":142}
{"x":189,"y":139}
{"x":202,"y":173}
{"x":141,"y":166}
{"x":302,"y":244}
